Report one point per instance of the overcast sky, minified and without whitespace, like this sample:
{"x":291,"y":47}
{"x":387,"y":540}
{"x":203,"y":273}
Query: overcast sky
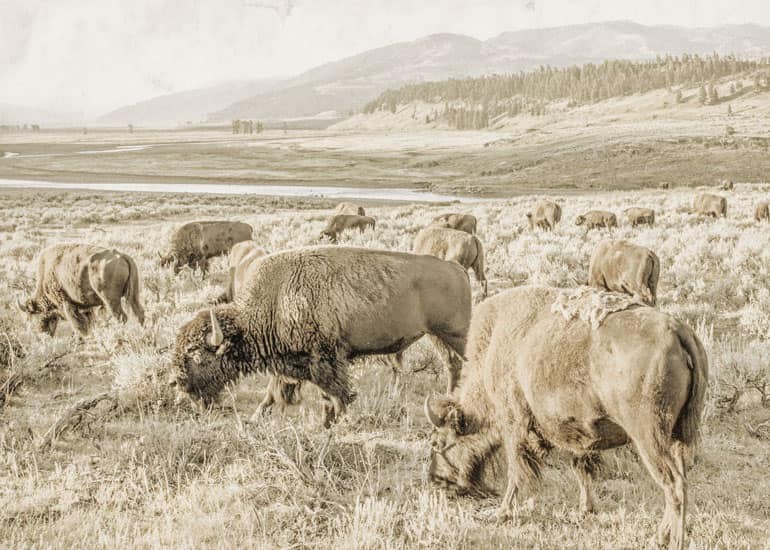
{"x":91,"y":56}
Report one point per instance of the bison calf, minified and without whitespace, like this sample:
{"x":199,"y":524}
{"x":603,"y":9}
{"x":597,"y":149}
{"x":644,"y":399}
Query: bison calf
{"x":461,"y":222}
{"x":640,"y":216}
{"x":343,"y":222}
{"x":545,"y":214}
{"x":707,"y":204}
{"x":455,"y":246}
{"x":595,"y":219}
{"x":624,"y":267}
{"x":74,"y":279}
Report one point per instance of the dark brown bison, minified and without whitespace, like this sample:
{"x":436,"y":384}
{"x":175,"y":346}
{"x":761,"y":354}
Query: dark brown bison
{"x":195,"y":242}
{"x":545,"y":214}
{"x":308,"y":312}
{"x":453,"y":220}
{"x":75,"y":279}
{"x":707,"y":204}
{"x":343,"y":222}
{"x":453,"y":245}
{"x":350,"y":208}
{"x":640,"y":377}
{"x":625,"y":267}
{"x":595,"y":219}
{"x":640,"y":216}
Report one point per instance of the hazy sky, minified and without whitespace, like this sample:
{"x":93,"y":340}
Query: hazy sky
{"x":93,"y":55}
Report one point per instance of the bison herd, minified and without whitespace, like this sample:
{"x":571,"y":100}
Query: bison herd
{"x":532,"y":379}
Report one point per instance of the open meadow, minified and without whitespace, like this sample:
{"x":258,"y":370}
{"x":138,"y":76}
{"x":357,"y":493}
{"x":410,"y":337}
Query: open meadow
{"x":143,"y":469}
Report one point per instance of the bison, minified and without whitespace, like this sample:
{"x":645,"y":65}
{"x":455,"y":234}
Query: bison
{"x":640,"y":216}
{"x":195,"y":242}
{"x":306,"y":313}
{"x":74,"y":279}
{"x":536,"y":380}
{"x":762,"y":211}
{"x":707,"y":204}
{"x":727,"y":185}
{"x":461,"y":222}
{"x":240,"y":262}
{"x":625,"y":267}
{"x":595,"y":219}
{"x":545,"y":214}
{"x":342,"y":222}
{"x":350,"y":208}
{"x":455,"y":246}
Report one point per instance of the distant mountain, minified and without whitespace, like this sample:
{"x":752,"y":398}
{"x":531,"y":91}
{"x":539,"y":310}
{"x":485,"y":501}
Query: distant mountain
{"x":348,"y":84}
{"x":20,"y":114}
{"x":188,"y":106}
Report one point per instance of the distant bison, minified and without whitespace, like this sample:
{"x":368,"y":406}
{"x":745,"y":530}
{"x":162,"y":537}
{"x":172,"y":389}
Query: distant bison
{"x":664,"y":185}
{"x":350,"y":208}
{"x":453,"y":245}
{"x":707,"y":204}
{"x":595,"y":219}
{"x":762,"y":211}
{"x":461,"y":222}
{"x":621,"y":266}
{"x":195,"y":242}
{"x":640,"y":216}
{"x":240,"y":263}
{"x":727,"y":185}
{"x":545,"y":214}
{"x":343,"y":222}
{"x":537,"y":381}
{"x":75,"y":279}
{"x":307,"y":312}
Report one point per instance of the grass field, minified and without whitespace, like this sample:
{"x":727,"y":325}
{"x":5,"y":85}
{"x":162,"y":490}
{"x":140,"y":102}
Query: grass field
{"x":148,"y":471}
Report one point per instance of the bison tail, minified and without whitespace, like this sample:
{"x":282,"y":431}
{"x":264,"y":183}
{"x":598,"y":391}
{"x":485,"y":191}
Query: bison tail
{"x":478,"y":264}
{"x":651,"y":280}
{"x":687,"y":428}
{"x":132,"y":290}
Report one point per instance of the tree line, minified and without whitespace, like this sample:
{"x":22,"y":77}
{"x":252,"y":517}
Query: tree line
{"x":476,"y":102}
{"x":247,"y":127}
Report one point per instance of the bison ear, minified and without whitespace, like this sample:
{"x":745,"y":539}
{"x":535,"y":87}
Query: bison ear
{"x":455,"y":418}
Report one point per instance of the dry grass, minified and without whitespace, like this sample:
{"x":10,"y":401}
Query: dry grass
{"x":142,"y":470}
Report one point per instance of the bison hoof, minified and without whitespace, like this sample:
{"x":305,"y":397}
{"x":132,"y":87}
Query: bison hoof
{"x":503,"y":516}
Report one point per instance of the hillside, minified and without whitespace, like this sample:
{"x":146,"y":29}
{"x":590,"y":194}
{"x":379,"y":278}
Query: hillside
{"x":188,"y":106}
{"x":11,"y":114}
{"x":350,"y":83}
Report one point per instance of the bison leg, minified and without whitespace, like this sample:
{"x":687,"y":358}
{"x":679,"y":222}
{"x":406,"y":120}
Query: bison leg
{"x":80,"y":322}
{"x":332,"y":379}
{"x":450,"y":349}
{"x":278,"y":391}
{"x":115,"y":307}
{"x":666,"y":466}
{"x":585,"y":467}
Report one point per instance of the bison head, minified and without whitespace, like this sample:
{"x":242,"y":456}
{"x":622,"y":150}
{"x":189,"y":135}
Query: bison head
{"x":328,"y":235}
{"x":580,"y":220}
{"x":203,"y":361}
{"x":459,"y":454}
{"x":47,"y":320}
{"x":529,"y":219}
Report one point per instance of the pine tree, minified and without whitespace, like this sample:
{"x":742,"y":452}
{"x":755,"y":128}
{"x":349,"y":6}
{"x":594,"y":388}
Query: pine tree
{"x":729,"y":110}
{"x":702,"y":95}
{"x":679,"y":98}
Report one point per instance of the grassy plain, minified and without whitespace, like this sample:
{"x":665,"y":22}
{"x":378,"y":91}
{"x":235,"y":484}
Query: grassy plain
{"x":156,"y":473}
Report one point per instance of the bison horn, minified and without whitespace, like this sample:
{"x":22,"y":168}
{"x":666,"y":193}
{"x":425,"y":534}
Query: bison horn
{"x":20,"y":306}
{"x":432,"y":416}
{"x":215,"y":337}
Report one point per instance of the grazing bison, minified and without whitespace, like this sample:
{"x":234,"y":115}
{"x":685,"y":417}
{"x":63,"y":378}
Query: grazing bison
{"x":595,"y":219}
{"x":461,"y":222}
{"x":762,"y":211}
{"x":240,"y":263}
{"x":545,"y":214}
{"x":75,"y":279}
{"x":342,"y":222}
{"x":453,"y":245}
{"x":707,"y":204}
{"x":350,"y":208}
{"x":624,"y":267}
{"x":639,"y":216}
{"x":195,"y":242}
{"x":642,"y":378}
{"x":307,"y":312}
{"x":727,"y":185}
